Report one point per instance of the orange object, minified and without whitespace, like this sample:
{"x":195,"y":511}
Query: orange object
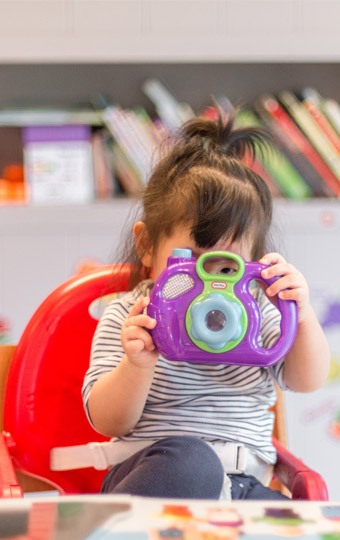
{"x":14,"y":172}
{"x":12,"y":191}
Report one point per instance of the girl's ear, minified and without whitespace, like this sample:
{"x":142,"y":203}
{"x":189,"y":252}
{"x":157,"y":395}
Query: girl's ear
{"x":144,"y":250}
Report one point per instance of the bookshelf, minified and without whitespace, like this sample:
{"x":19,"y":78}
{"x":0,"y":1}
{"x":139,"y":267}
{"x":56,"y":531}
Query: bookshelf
{"x":70,"y":86}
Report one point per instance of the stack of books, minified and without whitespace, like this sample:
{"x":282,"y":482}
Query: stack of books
{"x":303,"y":162}
{"x":115,"y":149}
{"x":306,"y":129}
{"x":133,"y":141}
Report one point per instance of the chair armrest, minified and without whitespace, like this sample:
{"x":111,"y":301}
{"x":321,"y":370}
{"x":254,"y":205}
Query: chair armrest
{"x":302,"y":482}
{"x":9,"y":486}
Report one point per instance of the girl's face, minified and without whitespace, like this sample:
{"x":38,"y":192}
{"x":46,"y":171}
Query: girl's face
{"x":181,"y":239}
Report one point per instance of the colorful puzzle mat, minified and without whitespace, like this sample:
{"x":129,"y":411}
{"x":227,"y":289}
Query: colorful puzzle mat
{"x":133,"y":518}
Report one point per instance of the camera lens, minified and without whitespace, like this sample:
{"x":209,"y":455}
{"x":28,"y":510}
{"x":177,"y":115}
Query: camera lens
{"x":215,"y":320}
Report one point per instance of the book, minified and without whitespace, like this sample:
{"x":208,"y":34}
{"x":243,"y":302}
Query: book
{"x":332,"y":111}
{"x":311,"y":129}
{"x":297,"y":147}
{"x":109,"y":148}
{"x":313,"y":102}
{"x":280,"y":168}
{"x":172,"y":112}
{"x":103,"y":172}
{"x":127,"y":175}
{"x":58,"y":164}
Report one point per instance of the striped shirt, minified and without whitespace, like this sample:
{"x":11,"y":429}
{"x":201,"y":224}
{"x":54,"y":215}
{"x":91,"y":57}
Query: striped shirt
{"x":215,"y":402}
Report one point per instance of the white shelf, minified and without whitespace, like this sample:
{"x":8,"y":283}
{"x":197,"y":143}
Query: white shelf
{"x":23,"y":218}
{"x":63,"y":219}
{"x":169,"y":31}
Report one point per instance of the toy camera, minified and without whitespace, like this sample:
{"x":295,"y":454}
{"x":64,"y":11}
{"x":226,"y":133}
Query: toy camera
{"x":210,"y":317}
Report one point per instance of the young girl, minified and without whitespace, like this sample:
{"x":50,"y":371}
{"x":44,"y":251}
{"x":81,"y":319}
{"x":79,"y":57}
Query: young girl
{"x":191,"y":430}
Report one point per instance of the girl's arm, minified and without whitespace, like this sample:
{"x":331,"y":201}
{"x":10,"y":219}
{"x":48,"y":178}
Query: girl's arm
{"x":307,"y":364}
{"x":117,"y":399}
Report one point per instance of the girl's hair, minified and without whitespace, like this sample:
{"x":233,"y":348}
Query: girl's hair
{"x":202,"y":183}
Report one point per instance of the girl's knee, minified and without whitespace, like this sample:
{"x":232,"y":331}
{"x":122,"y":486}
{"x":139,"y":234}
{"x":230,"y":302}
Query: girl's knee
{"x":190,"y":449}
{"x":174,"y":467}
{"x":193,"y":462}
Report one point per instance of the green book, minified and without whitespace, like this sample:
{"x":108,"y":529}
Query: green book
{"x":278,"y":165}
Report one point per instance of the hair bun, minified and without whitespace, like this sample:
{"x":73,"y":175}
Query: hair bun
{"x":222,"y":135}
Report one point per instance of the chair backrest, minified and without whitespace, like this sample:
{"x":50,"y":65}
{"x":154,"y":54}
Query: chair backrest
{"x":43,"y":407}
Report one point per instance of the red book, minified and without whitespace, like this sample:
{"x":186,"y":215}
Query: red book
{"x":272,"y":106}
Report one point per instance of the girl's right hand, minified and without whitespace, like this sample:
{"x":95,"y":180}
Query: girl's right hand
{"x":136,"y":340}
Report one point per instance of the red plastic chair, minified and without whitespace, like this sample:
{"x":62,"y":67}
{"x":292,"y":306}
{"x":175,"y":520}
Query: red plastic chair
{"x":43,"y":406}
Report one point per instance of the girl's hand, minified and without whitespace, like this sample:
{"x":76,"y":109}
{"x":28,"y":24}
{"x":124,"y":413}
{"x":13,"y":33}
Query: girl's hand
{"x":136,"y":340}
{"x":291,"y":286}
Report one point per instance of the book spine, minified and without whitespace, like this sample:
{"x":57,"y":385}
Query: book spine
{"x":332,"y":110}
{"x":126,"y":174}
{"x":111,"y":161}
{"x":102,"y":172}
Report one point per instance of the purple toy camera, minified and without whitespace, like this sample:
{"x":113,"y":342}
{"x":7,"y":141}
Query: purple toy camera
{"x":206,"y":315}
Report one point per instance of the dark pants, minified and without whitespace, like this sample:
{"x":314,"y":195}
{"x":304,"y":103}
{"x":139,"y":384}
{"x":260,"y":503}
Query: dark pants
{"x":180,"y":467}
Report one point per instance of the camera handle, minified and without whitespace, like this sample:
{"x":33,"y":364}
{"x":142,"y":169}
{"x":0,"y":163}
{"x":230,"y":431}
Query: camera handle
{"x":287,"y":308}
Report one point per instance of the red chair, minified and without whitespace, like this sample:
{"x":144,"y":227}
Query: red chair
{"x":43,"y":406}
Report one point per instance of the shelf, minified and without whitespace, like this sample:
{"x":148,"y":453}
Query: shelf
{"x":169,"y":31}
{"x":62,"y":219}
{"x":100,"y":215}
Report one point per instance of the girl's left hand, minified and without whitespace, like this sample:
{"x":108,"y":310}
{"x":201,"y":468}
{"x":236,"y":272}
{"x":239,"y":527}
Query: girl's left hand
{"x":292,"y":285}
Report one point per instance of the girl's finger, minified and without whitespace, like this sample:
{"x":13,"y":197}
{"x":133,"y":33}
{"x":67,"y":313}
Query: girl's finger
{"x":137,"y":333}
{"x":291,"y":281}
{"x":139,"y":307}
{"x":280,"y":269}
{"x":298,"y":295}
{"x":272,"y":258}
{"x":140,"y":320}
{"x":134,"y":347}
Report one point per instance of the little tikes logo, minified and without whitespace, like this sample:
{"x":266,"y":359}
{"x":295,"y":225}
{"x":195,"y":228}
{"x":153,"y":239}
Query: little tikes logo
{"x":219,"y":285}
